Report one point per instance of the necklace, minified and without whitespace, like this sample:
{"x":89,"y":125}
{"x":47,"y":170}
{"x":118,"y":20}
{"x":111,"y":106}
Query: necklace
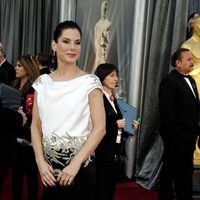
{"x":111,"y":97}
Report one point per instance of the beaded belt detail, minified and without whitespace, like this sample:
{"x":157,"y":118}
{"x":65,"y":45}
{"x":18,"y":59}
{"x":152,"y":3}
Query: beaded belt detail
{"x":59,"y":151}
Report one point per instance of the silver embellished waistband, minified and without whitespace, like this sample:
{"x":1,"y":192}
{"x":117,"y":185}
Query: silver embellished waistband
{"x":59,"y":151}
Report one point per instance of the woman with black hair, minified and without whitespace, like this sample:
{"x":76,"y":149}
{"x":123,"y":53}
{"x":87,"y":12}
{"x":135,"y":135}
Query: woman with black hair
{"x":109,"y":148}
{"x":68,"y":121}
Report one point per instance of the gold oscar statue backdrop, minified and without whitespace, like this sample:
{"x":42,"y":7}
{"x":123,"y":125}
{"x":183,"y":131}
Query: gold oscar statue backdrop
{"x":193,"y":44}
{"x":102,"y":31}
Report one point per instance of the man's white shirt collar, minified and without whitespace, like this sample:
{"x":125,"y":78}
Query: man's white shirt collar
{"x":2,"y":62}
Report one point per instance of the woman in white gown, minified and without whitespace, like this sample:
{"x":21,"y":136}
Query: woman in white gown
{"x":68,"y":121}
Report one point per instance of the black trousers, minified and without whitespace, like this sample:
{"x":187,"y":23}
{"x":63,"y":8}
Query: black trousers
{"x":25,"y":167}
{"x":83,"y":188}
{"x":176,"y":173}
{"x":31,"y":180}
{"x":3,"y":174}
{"x":106,"y":180}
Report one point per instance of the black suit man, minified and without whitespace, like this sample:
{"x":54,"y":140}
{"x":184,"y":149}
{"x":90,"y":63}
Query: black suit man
{"x":7,"y":71}
{"x":179,"y":112}
{"x":10,"y":124}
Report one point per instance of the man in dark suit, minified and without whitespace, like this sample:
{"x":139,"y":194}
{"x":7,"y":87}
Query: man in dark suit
{"x":179,"y":112}
{"x":10,"y":124}
{"x":7,"y":71}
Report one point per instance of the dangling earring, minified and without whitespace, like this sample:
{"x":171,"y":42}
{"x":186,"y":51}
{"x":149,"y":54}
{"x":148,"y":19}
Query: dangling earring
{"x":54,"y":53}
{"x":53,"y":60}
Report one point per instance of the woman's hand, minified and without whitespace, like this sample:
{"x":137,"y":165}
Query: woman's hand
{"x":121,"y":123}
{"x":25,"y":142}
{"x":46,"y":174}
{"x":20,"y":110}
{"x":67,"y":175}
{"x":135,"y":124}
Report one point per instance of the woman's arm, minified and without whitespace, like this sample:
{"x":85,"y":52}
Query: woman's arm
{"x":98,"y":120}
{"x":36,"y":135}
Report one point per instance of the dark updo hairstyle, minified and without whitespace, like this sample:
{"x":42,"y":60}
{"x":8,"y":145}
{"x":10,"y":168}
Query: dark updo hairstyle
{"x":104,"y":70}
{"x":63,"y":26}
{"x":58,"y":32}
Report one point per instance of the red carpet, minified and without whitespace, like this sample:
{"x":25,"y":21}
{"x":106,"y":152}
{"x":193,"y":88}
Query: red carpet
{"x":133,"y":191}
{"x":124,"y":191}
